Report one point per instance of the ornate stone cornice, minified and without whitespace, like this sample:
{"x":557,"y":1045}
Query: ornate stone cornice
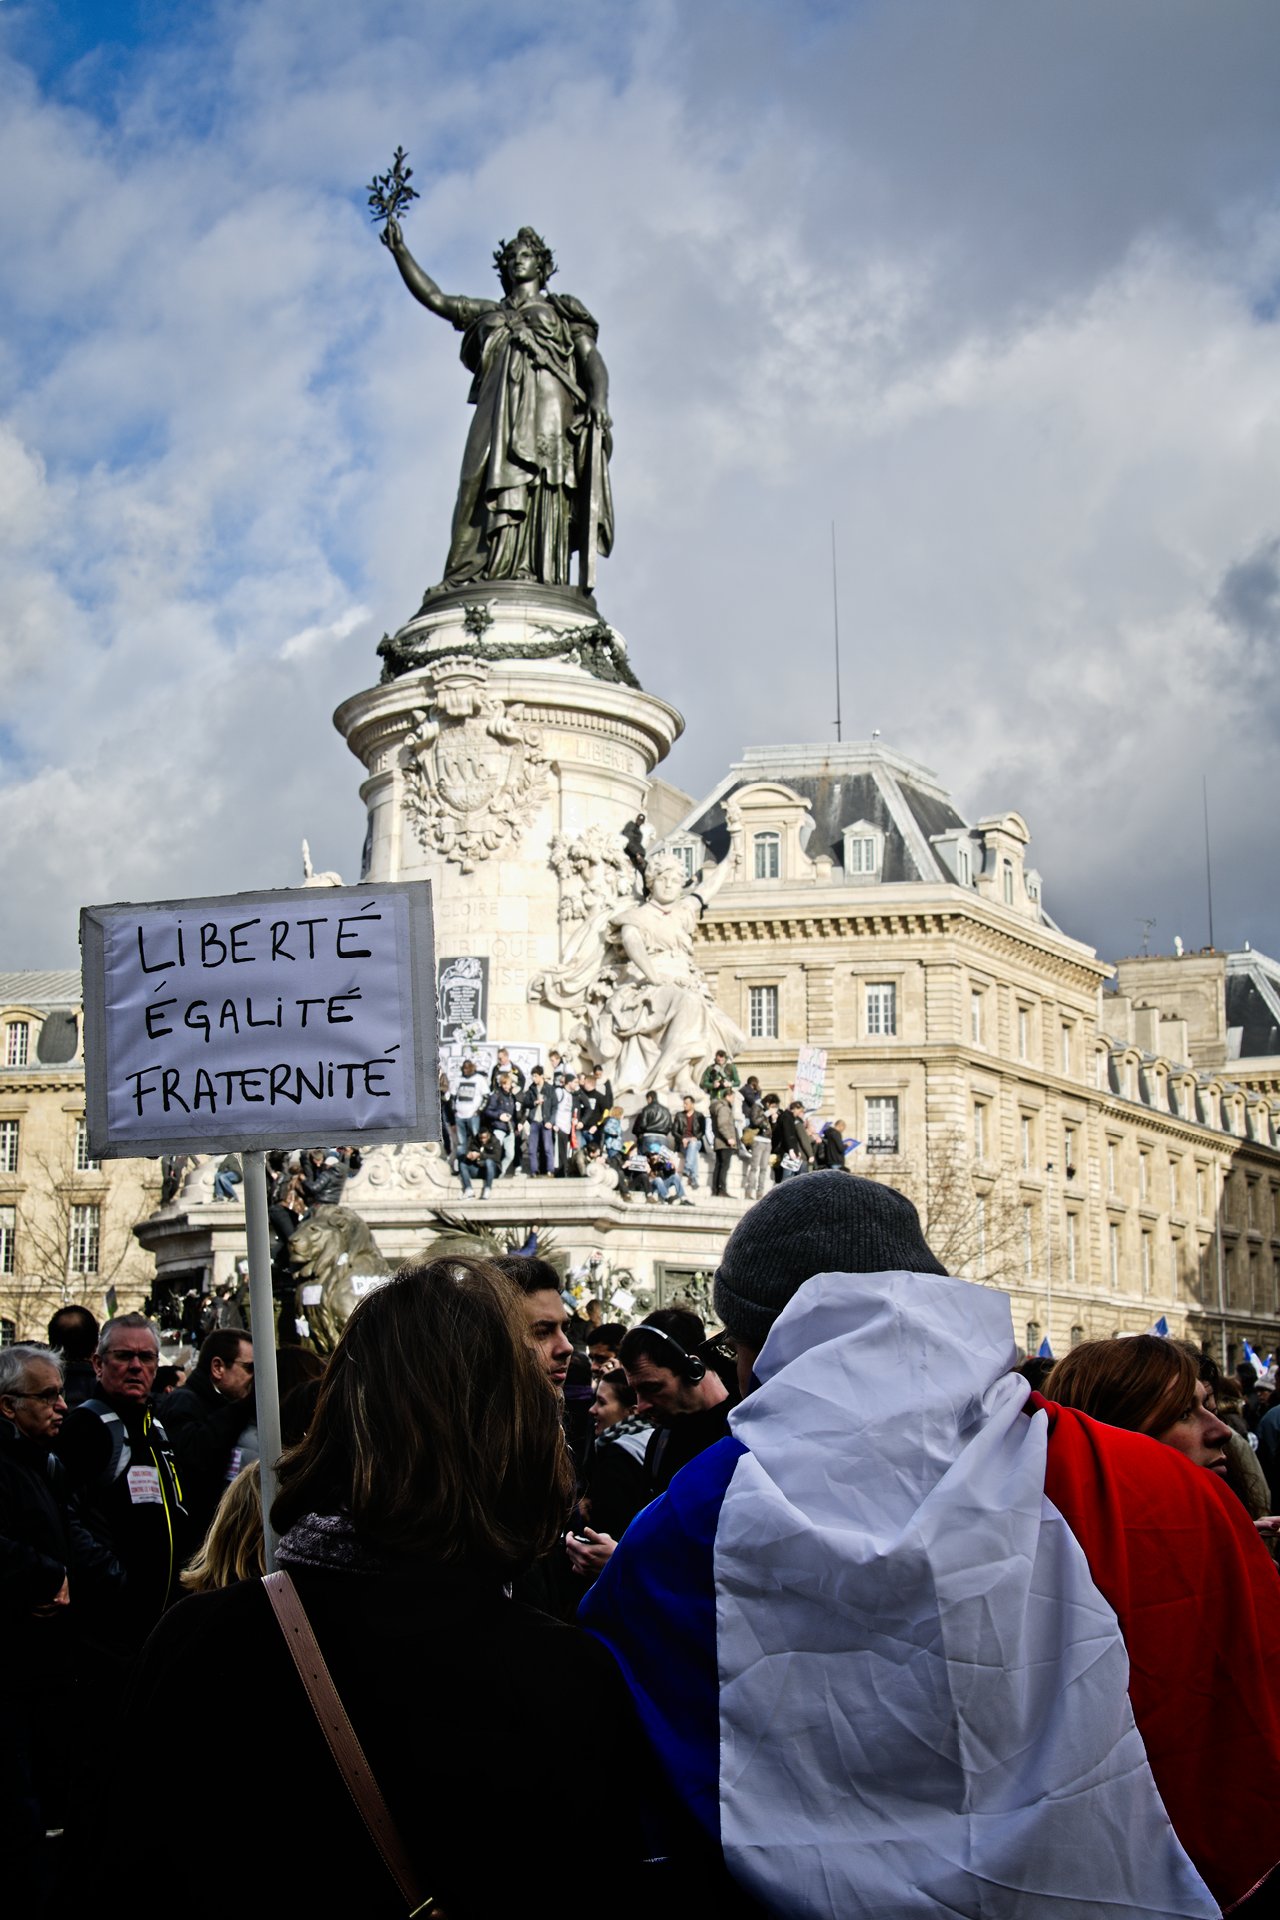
{"x":825,"y":919}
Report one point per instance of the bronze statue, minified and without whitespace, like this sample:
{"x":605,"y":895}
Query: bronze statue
{"x":535,"y":490}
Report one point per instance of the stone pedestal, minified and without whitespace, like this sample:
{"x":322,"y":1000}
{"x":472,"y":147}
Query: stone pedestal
{"x":481,"y":758}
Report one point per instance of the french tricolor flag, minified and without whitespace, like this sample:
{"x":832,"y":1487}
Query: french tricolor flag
{"x":877,"y":1664}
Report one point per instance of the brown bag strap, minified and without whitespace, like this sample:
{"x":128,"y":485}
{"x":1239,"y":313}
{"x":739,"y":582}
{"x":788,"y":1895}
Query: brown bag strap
{"x":344,"y":1744}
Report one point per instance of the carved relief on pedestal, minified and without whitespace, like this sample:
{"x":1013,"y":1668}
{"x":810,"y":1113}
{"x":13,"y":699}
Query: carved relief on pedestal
{"x":475,"y":769}
{"x":409,"y":1169}
{"x":594,"y":872}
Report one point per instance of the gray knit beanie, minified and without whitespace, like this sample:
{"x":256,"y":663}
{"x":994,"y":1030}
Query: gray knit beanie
{"x":817,"y":1223}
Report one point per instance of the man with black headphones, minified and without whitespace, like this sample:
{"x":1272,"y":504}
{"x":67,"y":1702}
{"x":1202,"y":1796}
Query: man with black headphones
{"x":687,"y":1401}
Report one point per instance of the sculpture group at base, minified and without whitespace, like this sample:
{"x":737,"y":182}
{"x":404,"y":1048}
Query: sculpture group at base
{"x":646,"y":1016}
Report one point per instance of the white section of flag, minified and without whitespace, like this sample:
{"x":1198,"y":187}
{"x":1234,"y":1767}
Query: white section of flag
{"x":924,"y":1703}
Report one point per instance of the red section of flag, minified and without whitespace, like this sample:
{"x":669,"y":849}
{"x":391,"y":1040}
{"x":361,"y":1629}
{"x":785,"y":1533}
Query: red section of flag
{"x":1198,"y":1601}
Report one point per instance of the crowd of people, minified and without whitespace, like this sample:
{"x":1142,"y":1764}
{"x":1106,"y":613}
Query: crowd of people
{"x":862,"y":1622}
{"x":554,"y":1122}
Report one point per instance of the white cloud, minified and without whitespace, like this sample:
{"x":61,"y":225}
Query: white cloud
{"x":986,"y":287}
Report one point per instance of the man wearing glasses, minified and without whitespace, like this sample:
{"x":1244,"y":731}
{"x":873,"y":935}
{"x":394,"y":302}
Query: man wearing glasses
{"x":128,"y":1489}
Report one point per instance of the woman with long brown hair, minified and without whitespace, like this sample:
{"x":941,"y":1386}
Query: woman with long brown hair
{"x":434,"y":1470}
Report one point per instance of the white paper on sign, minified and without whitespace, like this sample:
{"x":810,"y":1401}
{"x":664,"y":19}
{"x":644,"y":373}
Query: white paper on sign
{"x":362,"y":1283}
{"x":144,"y":1487}
{"x":310,"y":1294}
{"x":623,"y":1299}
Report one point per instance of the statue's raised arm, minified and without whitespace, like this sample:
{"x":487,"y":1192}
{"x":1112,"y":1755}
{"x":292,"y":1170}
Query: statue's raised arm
{"x":534,"y":494}
{"x":450,"y":306}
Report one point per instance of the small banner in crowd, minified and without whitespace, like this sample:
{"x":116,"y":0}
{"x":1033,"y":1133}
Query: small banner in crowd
{"x":811,"y":1077}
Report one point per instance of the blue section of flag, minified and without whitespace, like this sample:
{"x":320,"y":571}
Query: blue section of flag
{"x":1045,"y":1350}
{"x":654,"y":1606}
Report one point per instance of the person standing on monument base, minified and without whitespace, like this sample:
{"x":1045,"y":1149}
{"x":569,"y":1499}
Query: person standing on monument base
{"x":535,"y":468}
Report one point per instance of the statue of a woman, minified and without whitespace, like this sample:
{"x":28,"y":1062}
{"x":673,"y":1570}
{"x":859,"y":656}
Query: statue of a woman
{"x":535,"y":476}
{"x":648,"y":1019}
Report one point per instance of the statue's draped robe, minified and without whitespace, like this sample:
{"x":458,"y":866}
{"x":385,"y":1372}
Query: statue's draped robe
{"x":525,"y":464}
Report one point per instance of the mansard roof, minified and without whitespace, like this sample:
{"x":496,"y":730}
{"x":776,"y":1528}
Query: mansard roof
{"x":1252,"y":986}
{"x":850,"y":784}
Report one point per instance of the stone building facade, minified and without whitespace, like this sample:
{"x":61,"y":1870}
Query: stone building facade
{"x":66,"y":1220}
{"x":1106,"y":1162}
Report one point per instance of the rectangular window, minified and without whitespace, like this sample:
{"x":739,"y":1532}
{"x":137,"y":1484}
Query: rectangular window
{"x":1024,"y":1033}
{"x":8,"y":1239}
{"x":1008,"y":883}
{"x":8,"y":1146}
{"x":85,"y":1162}
{"x":1069,"y":1150}
{"x":882,"y":1008}
{"x":685,"y":856}
{"x":17,"y":1042}
{"x":882,"y":1123}
{"x":1028,"y":1142}
{"x":1112,"y":1158}
{"x":1028,"y":1242}
{"x":1066,"y":1049}
{"x":85,"y":1229}
{"x":964,"y":866}
{"x":1250,"y":1204}
{"x":860,"y":853}
{"x":762,"y":1013}
{"x":768,"y":856}
{"x":975,"y":1018}
{"x":980,"y":1232}
{"x":1073,"y":1246}
{"x":1174,"y":1173}
{"x":1175,"y":1265}
{"x":1144,"y":1160}
{"x":1146,"y":1263}
{"x":1200,"y":1191}
{"x":979,"y":1130}
{"x":1113,"y":1252}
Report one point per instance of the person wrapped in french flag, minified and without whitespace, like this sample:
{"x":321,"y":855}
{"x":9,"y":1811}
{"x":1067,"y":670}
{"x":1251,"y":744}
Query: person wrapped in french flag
{"x":914,"y":1642}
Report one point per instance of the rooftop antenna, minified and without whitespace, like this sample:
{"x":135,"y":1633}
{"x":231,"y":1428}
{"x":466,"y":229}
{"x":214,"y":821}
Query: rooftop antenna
{"x":1208,"y":869}
{"x":1146,"y":926}
{"x":835,"y":618}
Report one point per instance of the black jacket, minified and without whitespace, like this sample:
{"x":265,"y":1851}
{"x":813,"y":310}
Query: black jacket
{"x":42,"y":1544}
{"x":151,"y":1539}
{"x":538,"y":1104}
{"x":456,"y":1694}
{"x":789,"y":1136}
{"x":204,"y":1428}
{"x":654,"y":1118}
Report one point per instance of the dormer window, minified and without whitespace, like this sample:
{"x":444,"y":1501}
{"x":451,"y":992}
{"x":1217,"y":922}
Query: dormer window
{"x":687,"y":854}
{"x":964,"y":865}
{"x":768,"y":855}
{"x":1006,"y":881}
{"x":863,"y":851}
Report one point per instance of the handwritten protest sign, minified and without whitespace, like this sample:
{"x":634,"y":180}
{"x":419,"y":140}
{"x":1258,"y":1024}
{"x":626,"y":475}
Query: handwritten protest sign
{"x":260,"y":1020}
{"x":811,"y":1077}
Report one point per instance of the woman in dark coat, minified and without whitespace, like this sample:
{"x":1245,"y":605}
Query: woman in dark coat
{"x":434,"y":1470}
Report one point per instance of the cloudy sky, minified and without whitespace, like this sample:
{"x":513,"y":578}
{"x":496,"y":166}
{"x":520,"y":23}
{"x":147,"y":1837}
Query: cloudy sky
{"x":991,"y":284}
